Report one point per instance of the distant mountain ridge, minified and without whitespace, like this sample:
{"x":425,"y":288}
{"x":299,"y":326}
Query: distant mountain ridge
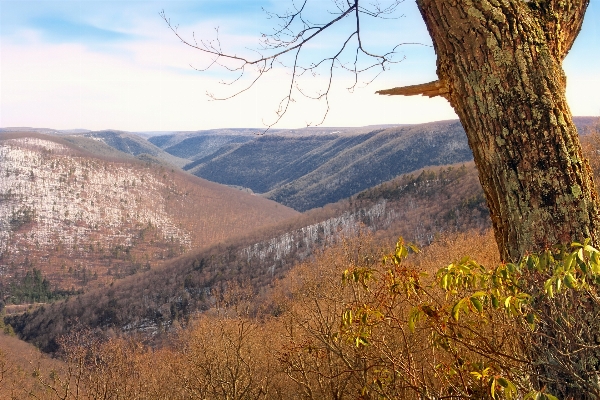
{"x":300,"y":168}
{"x":124,"y":143}
{"x":305,"y":172}
{"x":131,"y":144}
{"x":197,"y":147}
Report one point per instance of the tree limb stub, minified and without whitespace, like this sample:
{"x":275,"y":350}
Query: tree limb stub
{"x":429,"y":89}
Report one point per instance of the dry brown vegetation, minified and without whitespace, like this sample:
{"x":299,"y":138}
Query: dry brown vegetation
{"x":291,"y":340}
{"x":590,"y":144}
{"x":293,"y":348}
{"x":321,"y":335}
{"x":86,"y":221}
{"x":297,"y":342}
{"x":419,"y":206}
{"x":19,"y":362}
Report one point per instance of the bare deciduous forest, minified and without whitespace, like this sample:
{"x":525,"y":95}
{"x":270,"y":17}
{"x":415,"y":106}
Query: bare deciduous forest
{"x":379,"y":262}
{"x":85,"y":221}
{"x":359,"y":318}
{"x":286,"y":350}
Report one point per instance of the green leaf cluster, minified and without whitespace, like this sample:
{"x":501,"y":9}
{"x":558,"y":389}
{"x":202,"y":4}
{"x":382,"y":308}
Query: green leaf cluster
{"x":477,"y":320}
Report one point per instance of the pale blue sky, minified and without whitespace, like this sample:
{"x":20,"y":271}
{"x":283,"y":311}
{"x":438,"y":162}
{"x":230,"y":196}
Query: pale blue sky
{"x":114,"y":64}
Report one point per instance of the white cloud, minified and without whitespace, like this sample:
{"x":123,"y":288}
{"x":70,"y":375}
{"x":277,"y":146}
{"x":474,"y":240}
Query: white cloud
{"x":583,"y":94}
{"x":147,"y":84}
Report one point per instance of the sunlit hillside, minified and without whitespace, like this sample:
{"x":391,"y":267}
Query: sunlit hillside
{"x":85,"y":221}
{"x":421,"y":207}
{"x":24,"y":369}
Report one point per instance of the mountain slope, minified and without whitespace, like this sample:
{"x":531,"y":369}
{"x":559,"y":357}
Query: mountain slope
{"x":417,"y":206}
{"x":85,"y":221}
{"x":311,"y":167}
{"x":303,"y":168}
{"x":195,"y":145}
{"x":129,"y":143}
{"x":271,"y":161}
{"x":20,"y":364}
{"x":379,"y":158}
{"x":108,"y":143}
{"x":201,"y":146}
{"x":304,"y":172}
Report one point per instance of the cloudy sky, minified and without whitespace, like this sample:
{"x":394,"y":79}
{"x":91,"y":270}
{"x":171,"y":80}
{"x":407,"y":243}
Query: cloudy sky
{"x":115,"y":64}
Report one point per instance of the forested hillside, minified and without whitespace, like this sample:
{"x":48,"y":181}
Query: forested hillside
{"x":84,"y":221}
{"x":199,"y":144}
{"x":274,"y":302}
{"x":128,"y":143}
{"x":285,"y":344}
{"x":423,"y":207}
{"x":301,"y":168}
{"x":419,"y":206}
{"x":305,"y":172}
{"x":195,"y":145}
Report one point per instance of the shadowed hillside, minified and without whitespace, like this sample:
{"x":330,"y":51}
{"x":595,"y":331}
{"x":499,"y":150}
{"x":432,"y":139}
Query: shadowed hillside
{"x":304,"y":172}
{"x":311,"y":167}
{"x":195,"y":145}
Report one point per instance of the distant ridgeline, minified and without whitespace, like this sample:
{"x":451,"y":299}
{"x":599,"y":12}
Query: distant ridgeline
{"x":301,"y":168}
{"x":304,"y":172}
{"x":309,"y":168}
{"x":418,"y":206}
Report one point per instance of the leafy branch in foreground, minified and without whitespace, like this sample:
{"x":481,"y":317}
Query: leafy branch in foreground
{"x":525,"y":330}
{"x":519,"y":330}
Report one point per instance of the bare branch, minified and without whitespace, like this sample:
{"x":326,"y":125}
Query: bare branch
{"x":291,"y":35}
{"x":208,"y":48}
{"x":262,"y":71}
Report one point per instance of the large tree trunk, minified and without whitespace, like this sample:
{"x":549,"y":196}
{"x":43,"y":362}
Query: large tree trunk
{"x":499,"y":65}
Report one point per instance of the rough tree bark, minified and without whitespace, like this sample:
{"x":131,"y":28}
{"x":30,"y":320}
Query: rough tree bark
{"x":499,"y":65}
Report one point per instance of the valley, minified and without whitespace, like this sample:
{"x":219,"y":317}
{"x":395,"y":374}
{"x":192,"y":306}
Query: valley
{"x":85,"y":221}
{"x":132,"y":246}
{"x":421,"y":207}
